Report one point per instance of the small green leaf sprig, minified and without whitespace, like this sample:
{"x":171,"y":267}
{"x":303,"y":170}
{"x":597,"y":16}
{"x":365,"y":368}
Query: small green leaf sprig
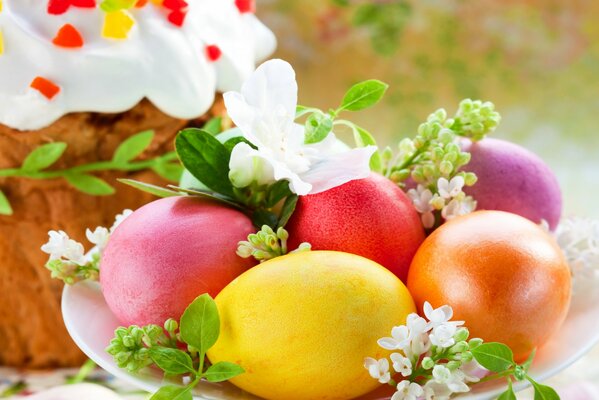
{"x":36,"y":164}
{"x":68,"y":261}
{"x":135,"y":348}
{"x":435,"y":162}
{"x":267,"y":244}
{"x":434,"y":357}
{"x":207,"y":159}
{"x":363,"y":95}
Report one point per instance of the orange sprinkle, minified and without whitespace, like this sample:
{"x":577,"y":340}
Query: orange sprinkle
{"x":46,"y":87}
{"x":141,"y":3}
{"x":68,"y":36}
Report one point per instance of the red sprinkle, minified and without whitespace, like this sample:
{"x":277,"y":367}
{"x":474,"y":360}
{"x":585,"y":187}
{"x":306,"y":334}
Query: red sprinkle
{"x":57,"y":7}
{"x":84,"y":3}
{"x":141,"y":3}
{"x":68,"y":36}
{"x":177,"y":17}
{"x":213,"y":52}
{"x":246,"y":6}
{"x":45,"y":87}
{"x":174,"y":4}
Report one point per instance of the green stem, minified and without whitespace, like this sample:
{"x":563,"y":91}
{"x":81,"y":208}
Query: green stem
{"x":93,"y":167}
{"x":497,"y":376}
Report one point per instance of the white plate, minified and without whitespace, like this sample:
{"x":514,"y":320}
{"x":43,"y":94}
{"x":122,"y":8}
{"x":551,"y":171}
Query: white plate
{"x":91,"y":325}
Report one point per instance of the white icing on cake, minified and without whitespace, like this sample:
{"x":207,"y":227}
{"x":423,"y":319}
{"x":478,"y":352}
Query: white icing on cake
{"x":159,"y":61}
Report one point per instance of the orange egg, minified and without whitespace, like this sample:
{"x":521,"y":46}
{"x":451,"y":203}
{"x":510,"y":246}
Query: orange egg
{"x":502,"y":274}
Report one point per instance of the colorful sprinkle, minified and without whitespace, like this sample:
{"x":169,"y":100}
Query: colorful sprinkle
{"x":46,"y":87}
{"x":0,"y":5}
{"x":246,"y":6}
{"x":213,"y":52}
{"x":117,"y":5}
{"x":84,"y":3}
{"x":117,"y":25}
{"x":174,"y":4}
{"x":1,"y":43}
{"x":141,"y":3}
{"x":177,"y":17}
{"x":57,"y":7}
{"x":68,"y":36}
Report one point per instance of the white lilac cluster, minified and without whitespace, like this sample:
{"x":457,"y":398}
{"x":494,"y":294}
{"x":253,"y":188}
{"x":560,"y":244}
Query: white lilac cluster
{"x":448,"y":198}
{"x":68,"y":260}
{"x":431,"y":356}
{"x":579,"y":240}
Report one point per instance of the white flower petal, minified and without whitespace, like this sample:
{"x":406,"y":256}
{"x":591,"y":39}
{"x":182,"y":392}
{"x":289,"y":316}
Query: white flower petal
{"x":248,"y":165}
{"x":340,"y":168}
{"x":389,"y":343}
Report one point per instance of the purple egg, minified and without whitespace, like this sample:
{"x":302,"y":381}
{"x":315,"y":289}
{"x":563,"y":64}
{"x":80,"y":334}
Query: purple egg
{"x":513,"y":179}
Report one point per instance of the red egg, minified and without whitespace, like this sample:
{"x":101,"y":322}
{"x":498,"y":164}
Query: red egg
{"x":169,"y":252}
{"x":369,"y":217}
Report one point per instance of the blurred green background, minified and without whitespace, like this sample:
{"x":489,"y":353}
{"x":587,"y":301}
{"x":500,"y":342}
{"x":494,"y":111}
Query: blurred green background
{"x":538,"y":61}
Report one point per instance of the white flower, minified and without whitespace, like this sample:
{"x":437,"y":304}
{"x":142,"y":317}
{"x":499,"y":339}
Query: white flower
{"x":421,"y":198}
{"x":407,"y":391}
{"x":442,"y":335}
{"x":378,"y":369}
{"x":457,"y":207}
{"x":120,"y":218}
{"x":401,"y":364}
{"x":434,"y":390}
{"x":399,"y":340}
{"x":473,"y":371}
{"x":99,"y":237}
{"x":265,"y":112}
{"x":60,"y":245}
{"x":453,"y":379}
{"x":449,"y":189}
{"x":420,"y":345}
{"x":439,"y":316}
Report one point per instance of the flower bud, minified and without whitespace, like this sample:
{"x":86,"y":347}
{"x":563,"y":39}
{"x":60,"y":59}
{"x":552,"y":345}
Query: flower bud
{"x":474,"y":343}
{"x":470,"y":178}
{"x":519,"y":373}
{"x":446,"y":167}
{"x":461,"y":335}
{"x":427,"y":363}
{"x":458,"y":347}
{"x":467,"y":356}
{"x":282,"y":234}
{"x":171,"y":325}
{"x":453,"y":365}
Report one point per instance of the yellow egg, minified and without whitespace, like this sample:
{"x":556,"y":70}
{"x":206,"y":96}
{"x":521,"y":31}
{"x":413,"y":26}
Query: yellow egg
{"x":302,"y":324}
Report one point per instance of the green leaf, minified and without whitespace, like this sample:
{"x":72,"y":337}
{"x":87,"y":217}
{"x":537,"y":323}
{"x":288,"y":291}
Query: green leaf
{"x":496,"y":357}
{"x":277,"y":192}
{"x":364,"y":138}
{"x":173,"y":393}
{"x":206,"y":158}
{"x":264,"y":217}
{"x":214,"y":126}
{"x":287,"y":210}
{"x":363,"y":95}
{"x":172,"y":361}
{"x":149,"y":188}
{"x":509,"y":393}
{"x":133,"y":147}
{"x":543,"y":392}
{"x":528,"y":363}
{"x":234,"y":141}
{"x":200,"y":324}
{"x":209,"y":195}
{"x":171,"y":171}
{"x":318,"y":126}
{"x":5,"y":207}
{"x":43,"y":156}
{"x":223,"y":371}
{"x":89,"y":184}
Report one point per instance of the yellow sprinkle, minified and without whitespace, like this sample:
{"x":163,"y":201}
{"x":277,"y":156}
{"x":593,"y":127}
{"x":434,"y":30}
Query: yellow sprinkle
{"x":0,"y":5}
{"x":117,"y":25}
{"x":1,"y":43}
{"x":157,"y":2}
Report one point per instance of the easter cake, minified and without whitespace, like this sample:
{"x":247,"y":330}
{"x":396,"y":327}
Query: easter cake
{"x":77,"y":79}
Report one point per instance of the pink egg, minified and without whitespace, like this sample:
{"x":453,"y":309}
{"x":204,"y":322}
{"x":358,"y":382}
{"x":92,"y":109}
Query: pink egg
{"x":512,"y":178}
{"x":169,"y":252}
